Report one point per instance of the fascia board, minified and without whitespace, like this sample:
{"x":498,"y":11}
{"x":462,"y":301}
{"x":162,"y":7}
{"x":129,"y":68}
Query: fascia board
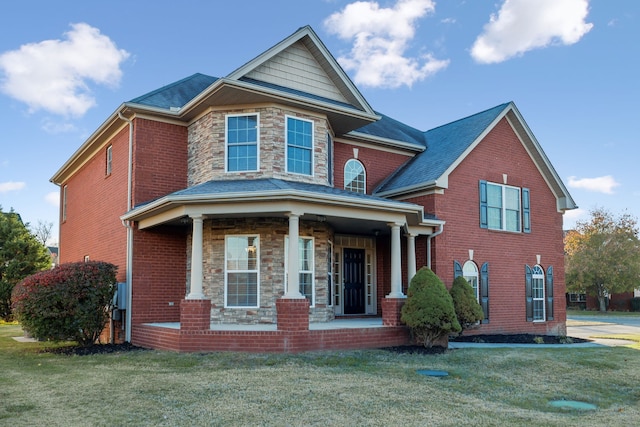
{"x":385,"y":141}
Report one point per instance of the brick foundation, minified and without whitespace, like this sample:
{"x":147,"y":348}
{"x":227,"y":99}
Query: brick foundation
{"x":293,"y":314}
{"x":195,"y":314}
{"x":391,"y":311}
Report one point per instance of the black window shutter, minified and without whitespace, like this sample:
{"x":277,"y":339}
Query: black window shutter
{"x":528,"y":273}
{"x":550,"y":293}
{"x":526,"y":211}
{"x":484,"y":220}
{"x":484,"y":291}
{"x":457,"y":269}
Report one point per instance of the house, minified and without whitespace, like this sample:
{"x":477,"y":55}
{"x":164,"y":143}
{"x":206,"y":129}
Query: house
{"x":275,"y":210}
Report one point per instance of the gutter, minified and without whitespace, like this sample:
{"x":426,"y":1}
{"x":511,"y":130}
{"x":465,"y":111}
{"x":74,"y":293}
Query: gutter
{"x":127,"y":224}
{"x":429,"y":237}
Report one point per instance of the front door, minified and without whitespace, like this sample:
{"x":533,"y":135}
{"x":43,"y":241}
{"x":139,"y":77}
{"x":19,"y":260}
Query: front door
{"x":354,"y":281}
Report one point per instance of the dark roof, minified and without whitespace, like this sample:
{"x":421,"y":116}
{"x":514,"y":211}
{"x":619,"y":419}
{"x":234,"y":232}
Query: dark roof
{"x":445,"y":144}
{"x":390,"y":128}
{"x":176,"y":94}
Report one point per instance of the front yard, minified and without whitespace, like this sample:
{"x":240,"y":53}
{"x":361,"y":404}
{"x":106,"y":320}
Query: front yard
{"x":485,"y":387}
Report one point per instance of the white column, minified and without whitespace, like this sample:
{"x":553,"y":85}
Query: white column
{"x":293,"y":268}
{"x":396,"y":271}
{"x":196,"y":259}
{"x":411,"y":256}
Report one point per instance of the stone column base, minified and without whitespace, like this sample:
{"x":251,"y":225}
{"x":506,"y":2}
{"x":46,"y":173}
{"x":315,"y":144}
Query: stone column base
{"x":195,"y":314}
{"x":293,"y":314}
{"x":391,"y":311}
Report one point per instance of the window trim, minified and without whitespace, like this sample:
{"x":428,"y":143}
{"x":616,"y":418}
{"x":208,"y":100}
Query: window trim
{"x":364,"y":176}
{"x":227,"y":270}
{"x":226,"y":142}
{"x":300,"y":270}
{"x":537,"y":277}
{"x":64,"y":203}
{"x":475,"y":276}
{"x":109,"y":160}
{"x":286,"y":145}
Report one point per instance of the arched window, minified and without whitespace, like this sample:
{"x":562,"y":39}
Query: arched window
{"x":537,"y":288}
{"x":355,"y":177}
{"x":470,"y":273}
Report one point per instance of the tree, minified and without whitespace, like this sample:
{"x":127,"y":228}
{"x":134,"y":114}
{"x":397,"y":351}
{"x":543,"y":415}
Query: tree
{"x":468,"y":310}
{"x":603,"y":255}
{"x":429,"y":311}
{"x":42,"y":231}
{"x":20,"y":256}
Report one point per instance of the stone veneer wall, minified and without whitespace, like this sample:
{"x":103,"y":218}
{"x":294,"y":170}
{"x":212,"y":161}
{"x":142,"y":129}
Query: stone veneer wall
{"x":272,"y":232}
{"x":206,"y":150}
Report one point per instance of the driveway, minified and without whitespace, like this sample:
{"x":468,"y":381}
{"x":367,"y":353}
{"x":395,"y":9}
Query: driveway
{"x":589,"y":326}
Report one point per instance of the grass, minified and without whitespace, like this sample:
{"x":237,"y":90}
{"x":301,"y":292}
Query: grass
{"x":485,"y":387}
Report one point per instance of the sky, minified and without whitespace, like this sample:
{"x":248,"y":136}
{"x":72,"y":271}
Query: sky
{"x":570,"y":66}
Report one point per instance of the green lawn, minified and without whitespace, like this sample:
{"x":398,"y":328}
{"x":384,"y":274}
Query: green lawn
{"x":486,"y":387}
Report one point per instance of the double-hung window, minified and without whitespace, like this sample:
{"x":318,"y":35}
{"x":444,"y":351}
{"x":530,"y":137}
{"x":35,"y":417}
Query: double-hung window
{"x":539,"y":293}
{"x":305,"y":266}
{"x":299,"y":134}
{"x":470,"y":274}
{"x":537,"y":288}
{"x":242,"y":142}
{"x":503,"y":207}
{"x":242,"y":276}
{"x":109,"y":160}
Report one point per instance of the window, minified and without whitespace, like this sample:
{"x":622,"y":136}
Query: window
{"x":242,"y":272}
{"x":539,"y":293}
{"x":242,"y":143}
{"x":481,"y":286}
{"x":64,"y":203}
{"x":470,"y":273}
{"x":299,"y":134}
{"x":109,"y":159}
{"x":354,"y":177}
{"x":305,"y":266}
{"x":503,"y":207}
{"x":573,"y":297}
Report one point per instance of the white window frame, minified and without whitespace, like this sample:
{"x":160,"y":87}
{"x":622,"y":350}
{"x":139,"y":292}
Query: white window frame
{"x":470,"y":274}
{"x":538,"y":288}
{"x":286,"y":145}
{"x":64,"y":203}
{"x":301,"y":271}
{"x":360,"y":185}
{"x":109,"y":160}
{"x":226,"y":142}
{"x":227,"y":271}
{"x":503,"y":208}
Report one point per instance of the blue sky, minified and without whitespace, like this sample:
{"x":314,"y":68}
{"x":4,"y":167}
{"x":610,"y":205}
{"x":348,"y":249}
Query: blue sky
{"x":571,"y":67}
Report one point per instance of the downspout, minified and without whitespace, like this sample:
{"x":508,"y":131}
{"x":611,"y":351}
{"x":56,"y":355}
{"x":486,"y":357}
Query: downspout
{"x":429,"y":237}
{"x":127,"y":224}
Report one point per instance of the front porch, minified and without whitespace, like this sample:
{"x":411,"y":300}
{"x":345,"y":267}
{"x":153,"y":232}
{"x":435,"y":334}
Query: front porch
{"x":282,"y":337}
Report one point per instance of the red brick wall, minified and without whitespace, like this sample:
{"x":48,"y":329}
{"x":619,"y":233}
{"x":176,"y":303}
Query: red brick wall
{"x":95,"y":202}
{"x":377,"y":164}
{"x":160,"y":159}
{"x":500,"y":153}
{"x":159,"y":274}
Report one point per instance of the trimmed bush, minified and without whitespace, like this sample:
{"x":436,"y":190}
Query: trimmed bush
{"x":466,"y":306}
{"x":70,"y":302}
{"x":429,"y":311}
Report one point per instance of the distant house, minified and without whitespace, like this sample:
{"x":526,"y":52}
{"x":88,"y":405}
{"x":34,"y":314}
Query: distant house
{"x":53,"y":253}
{"x":275,"y":210}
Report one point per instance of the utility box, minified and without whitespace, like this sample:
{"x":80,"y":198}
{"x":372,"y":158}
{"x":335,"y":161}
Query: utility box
{"x":121,"y":296}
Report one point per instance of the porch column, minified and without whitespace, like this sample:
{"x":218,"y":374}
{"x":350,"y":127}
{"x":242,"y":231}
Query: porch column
{"x":411,"y":257}
{"x":293,"y":269}
{"x":196,"y":259}
{"x":396,"y":271}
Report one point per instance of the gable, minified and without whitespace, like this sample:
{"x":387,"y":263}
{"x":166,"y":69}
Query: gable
{"x":297,"y":68}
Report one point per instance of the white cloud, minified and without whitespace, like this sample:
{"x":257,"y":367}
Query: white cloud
{"x":53,"y":75}
{"x":53,"y":198}
{"x":380,"y":38}
{"x":602,"y":184}
{"x":55,"y":127}
{"x":523,"y":25}
{"x":5,"y":187}
{"x":570,"y":218}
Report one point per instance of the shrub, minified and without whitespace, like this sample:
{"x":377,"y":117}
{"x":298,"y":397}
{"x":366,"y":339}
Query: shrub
{"x":429,"y":311}
{"x":468,"y":311}
{"x":70,"y":302}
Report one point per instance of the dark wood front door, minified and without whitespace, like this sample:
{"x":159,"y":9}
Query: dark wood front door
{"x":354,"y":281}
